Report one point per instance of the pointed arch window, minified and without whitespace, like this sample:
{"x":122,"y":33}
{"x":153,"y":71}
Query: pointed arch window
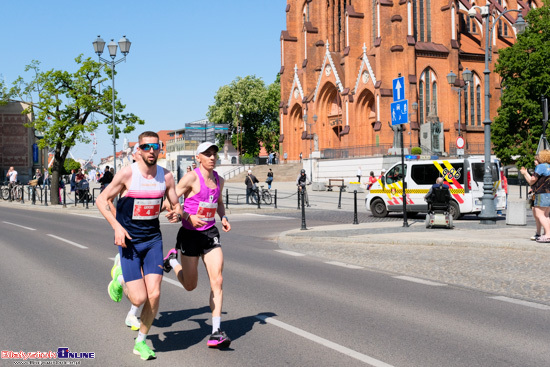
{"x":427,"y":94}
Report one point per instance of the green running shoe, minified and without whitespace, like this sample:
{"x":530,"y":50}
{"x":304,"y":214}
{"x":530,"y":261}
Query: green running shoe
{"x":115,"y":288}
{"x":143,"y":350}
{"x":117,"y":263}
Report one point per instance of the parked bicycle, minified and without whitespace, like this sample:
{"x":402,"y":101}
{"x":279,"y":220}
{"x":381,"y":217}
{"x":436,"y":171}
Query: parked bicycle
{"x":264,"y":194}
{"x":5,"y":192}
{"x":16,"y":191}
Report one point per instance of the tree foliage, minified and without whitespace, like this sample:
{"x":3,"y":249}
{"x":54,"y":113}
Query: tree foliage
{"x":68,"y":106}
{"x":259,"y":107}
{"x":525,"y":72}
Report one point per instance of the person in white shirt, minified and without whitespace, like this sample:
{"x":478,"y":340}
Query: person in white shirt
{"x":12,"y":175}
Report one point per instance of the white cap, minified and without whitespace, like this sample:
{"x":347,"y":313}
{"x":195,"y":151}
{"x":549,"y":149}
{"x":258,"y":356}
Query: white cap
{"x":203,"y":147}
{"x":249,"y":171}
{"x":383,"y":170}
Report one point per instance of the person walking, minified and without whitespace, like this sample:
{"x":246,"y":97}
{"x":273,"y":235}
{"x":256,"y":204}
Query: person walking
{"x":250,"y":182}
{"x":359,"y":174}
{"x":106,"y":179}
{"x":540,"y":182}
{"x":12,"y":177}
{"x":269,"y":179}
{"x":199,"y":237}
{"x":372,"y":180}
{"x":73,"y":180}
{"x":46,"y":181}
{"x":301,"y":182}
{"x":300,"y":157}
{"x":137,"y":271}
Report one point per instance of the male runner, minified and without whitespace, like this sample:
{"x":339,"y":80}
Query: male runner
{"x":137,"y":232}
{"x":198,"y":237}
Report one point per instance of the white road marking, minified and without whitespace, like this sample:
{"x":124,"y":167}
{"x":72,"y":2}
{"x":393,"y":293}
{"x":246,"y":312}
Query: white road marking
{"x":522,"y":303}
{"x":327,"y":343}
{"x":17,"y":225}
{"x":264,"y":216}
{"x":67,"y":241}
{"x":98,"y":216}
{"x":420,"y":281}
{"x":291,"y":253}
{"x":344,"y":265}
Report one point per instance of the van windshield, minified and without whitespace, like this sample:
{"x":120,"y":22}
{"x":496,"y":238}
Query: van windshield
{"x":479,"y":168}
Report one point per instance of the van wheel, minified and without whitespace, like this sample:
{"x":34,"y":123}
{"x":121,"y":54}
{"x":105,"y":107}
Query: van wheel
{"x":454,"y":210}
{"x":378,"y":208}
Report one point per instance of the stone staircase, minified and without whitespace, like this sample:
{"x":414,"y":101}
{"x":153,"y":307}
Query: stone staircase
{"x":281,"y":172}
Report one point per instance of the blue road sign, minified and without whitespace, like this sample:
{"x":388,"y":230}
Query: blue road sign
{"x":400,"y":112}
{"x":399,"y":89}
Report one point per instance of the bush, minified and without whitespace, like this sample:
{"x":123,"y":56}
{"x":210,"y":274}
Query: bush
{"x":416,"y":150}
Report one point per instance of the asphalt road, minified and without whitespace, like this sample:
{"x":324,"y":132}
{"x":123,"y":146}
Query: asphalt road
{"x":280,"y":308}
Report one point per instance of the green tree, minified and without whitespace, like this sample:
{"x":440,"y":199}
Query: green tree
{"x":66,"y":105}
{"x":69,"y":165}
{"x":525,"y":72}
{"x":259,"y":107}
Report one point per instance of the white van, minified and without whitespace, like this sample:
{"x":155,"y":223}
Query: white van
{"x":463,"y":175}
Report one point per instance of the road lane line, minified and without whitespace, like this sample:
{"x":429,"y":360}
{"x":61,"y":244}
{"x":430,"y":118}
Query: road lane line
{"x":522,"y":303}
{"x":67,"y":241}
{"x":172,"y":281}
{"x":420,"y":281}
{"x":327,"y":343}
{"x":291,"y":253}
{"x":18,"y":225}
{"x":344,"y":265}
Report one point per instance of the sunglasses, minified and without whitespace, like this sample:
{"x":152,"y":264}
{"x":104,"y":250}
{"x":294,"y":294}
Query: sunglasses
{"x":147,"y":147}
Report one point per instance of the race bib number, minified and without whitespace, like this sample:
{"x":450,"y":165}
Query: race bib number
{"x":146,"y":209}
{"x":207,"y":210}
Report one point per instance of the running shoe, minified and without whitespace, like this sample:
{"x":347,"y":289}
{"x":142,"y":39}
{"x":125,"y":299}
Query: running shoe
{"x":143,"y":350}
{"x":115,"y":288}
{"x":172,"y":254}
{"x":132,"y":322}
{"x":218,"y":340}
{"x":117,"y":263}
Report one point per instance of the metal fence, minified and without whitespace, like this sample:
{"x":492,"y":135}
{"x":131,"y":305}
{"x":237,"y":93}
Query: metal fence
{"x":360,"y":151}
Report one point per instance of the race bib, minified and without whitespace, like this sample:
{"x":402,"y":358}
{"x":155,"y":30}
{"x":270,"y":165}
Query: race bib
{"x":207,"y":210}
{"x":146,"y":209}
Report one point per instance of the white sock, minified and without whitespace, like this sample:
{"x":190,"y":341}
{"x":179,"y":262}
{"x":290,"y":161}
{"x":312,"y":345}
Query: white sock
{"x":141,"y":337}
{"x":173,"y":263}
{"x":216,"y":321}
{"x":120,"y":279}
{"x":133,"y":310}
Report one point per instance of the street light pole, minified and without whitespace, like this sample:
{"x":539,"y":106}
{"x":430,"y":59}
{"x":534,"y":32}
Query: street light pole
{"x":99,"y":45}
{"x":451,"y":78}
{"x":488,"y":211}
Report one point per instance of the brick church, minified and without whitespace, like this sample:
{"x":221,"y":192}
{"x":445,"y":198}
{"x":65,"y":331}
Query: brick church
{"x":339,"y":58}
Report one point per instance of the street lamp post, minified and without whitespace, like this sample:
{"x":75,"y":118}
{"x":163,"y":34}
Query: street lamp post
{"x":239,"y":120}
{"x":488,"y":211}
{"x":99,"y":45}
{"x":310,"y":137}
{"x":467,"y":75}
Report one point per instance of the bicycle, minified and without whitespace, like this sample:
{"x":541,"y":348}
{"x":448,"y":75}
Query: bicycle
{"x":16,"y":190}
{"x":305,"y":197}
{"x":265,"y":195}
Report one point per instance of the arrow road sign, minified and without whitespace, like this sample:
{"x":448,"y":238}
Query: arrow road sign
{"x":400,"y":112}
{"x":398,"y":89}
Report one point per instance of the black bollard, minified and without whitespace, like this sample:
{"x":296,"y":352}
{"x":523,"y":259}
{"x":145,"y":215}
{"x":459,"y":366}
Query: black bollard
{"x":64,"y":198}
{"x":355,"y":221}
{"x":226,"y":198}
{"x":86,"y":199}
{"x":33,"y":195}
{"x":303,"y":212}
{"x":519,"y":188}
{"x":22,"y":195}
{"x":258,"y":197}
{"x":340,"y":198}
{"x":298,"y":196}
{"x":9,"y":194}
{"x":275,"y":198}
{"x":45,"y":195}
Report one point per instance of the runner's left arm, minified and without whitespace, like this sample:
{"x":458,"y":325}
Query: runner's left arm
{"x":226,"y":227}
{"x":175,"y":213}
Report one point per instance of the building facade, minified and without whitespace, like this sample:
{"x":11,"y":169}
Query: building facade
{"x":340,"y":57}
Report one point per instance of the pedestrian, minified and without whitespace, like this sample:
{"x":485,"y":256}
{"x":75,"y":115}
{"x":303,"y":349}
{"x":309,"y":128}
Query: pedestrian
{"x":199,"y":237}
{"x":250,"y":181}
{"x":540,"y":183}
{"x":46,"y":181}
{"x":300,"y":157}
{"x":189,"y":169}
{"x":37,"y":178}
{"x":73,"y":180}
{"x":372,"y":180}
{"x":193,"y":166}
{"x":382,"y":174}
{"x":269,"y":179}
{"x":12,"y":177}
{"x":285,"y":156}
{"x":106,"y":179}
{"x":270,"y":159}
{"x":359,"y":174}
{"x":137,"y":271}
{"x":301,"y":182}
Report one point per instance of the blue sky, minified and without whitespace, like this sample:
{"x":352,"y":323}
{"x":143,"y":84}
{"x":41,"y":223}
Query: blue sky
{"x":182,"y":51}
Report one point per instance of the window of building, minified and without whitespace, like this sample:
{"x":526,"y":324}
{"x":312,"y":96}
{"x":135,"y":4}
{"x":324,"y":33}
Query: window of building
{"x":478,"y":104}
{"x":427,"y":94}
